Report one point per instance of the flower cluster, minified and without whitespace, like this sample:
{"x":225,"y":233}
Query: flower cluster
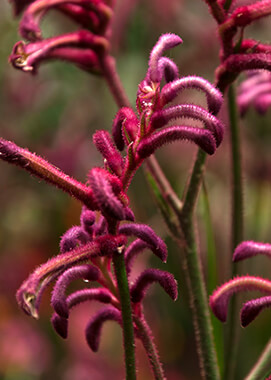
{"x":154,"y":112}
{"x":237,"y":53}
{"x":220,"y":298}
{"x":85,"y":253}
{"x":84,"y":47}
{"x":88,"y":250}
{"x":255,"y":91}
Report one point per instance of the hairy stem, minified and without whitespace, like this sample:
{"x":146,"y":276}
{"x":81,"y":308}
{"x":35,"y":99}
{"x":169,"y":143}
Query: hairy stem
{"x":232,"y":335}
{"x":127,"y":319}
{"x":262,"y":365}
{"x":194,"y":277}
{"x":147,"y":340}
{"x":113,"y":80}
{"x":216,"y":10}
{"x":164,"y":186}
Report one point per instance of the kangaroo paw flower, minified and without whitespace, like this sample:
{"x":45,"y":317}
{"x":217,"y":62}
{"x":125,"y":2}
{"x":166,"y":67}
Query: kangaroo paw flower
{"x":202,"y":137}
{"x":42,"y":169}
{"x":72,"y":238}
{"x":255,"y":91}
{"x":165,"y":42}
{"x":104,"y":144}
{"x":147,"y":278}
{"x":251,"y":248}
{"x":60,"y":322}
{"x":252,"y":309}
{"x":213,"y":95}
{"x":220,"y":298}
{"x":104,"y":191}
{"x":146,"y":234}
{"x":29,"y":294}
{"x":125,"y":127}
{"x":132,"y":251}
{"x":94,"y":327}
{"x":87,"y":220}
{"x":161,"y":118}
{"x":58,"y":299}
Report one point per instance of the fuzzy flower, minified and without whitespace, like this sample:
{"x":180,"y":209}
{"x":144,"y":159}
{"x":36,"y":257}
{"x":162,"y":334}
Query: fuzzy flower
{"x":107,"y":224}
{"x":84,"y":256}
{"x":153,"y":128}
{"x":219,"y":300}
{"x":255,"y":91}
{"x":84,"y":47}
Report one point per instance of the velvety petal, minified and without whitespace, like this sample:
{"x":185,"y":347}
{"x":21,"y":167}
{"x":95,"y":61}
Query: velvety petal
{"x":220,"y":298}
{"x":132,"y":251}
{"x":125,"y":127}
{"x":58,"y":299}
{"x":162,"y":117}
{"x":28,"y":56}
{"x":252,"y":308}
{"x":251,"y":248}
{"x":28,"y":295}
{"x":73,"y":238}
{"x":104,"y":194}
{"x":104,"y":144}
{"x":213,"y":95}
{"x":146,"y":234}
{"x":165,"y":42}
{"x":147,"y":278}
{"x":42,"y":169}
{"x":202,"y":137}
{"x":94,"y":327}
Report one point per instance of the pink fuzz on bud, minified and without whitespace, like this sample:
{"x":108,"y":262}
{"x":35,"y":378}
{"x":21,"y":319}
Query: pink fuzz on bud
{"x":73,"y":238}
{"x":94,"y":327}
{"x":165,"y":42}
{"x":146,"y":234}
{"x":147,"y":278}
{"x":125,"y":127}
{"x":202,"y":137}
{"x":220,"y":298}
{"x":58,"y":300}
{"x":213,"y":95}
{"x":106,"y":147}
{"x":252,"y":309}
{"x":251,"y":248}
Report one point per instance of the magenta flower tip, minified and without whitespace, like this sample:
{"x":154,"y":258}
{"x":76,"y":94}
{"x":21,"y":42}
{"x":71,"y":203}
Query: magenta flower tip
{"x":94,"y":327}
{"x":58,"y":299}
{"x":125,"y":127}
{"x":87,"y":220}
{"x":29,"y":29}
{"x":105,"y":189}
{"x":251,"y":248}
{"x":60,"y":325}
{"x":219,"y":300}
{"x":252,"y":309}
{"x":73,"y":238}
{"x":104,"y":144}
{"x":149,"y":276}
{"x":202,"y":137}
{"x":165,"y":42}
{"x":146,"y":234}
{"x":219,"y":307}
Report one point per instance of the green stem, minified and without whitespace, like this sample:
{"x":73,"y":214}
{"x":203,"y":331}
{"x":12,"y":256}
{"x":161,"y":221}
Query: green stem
{"x":126,"y":310}
{"x":232,"y":335}
{"x":237,"y":213}
{"x":262,"y":365}
{"x":195,"y":279}
{"x":163,"y":184}
{"x":147,"y":340}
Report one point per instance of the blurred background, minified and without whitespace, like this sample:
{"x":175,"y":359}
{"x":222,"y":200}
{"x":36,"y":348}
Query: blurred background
{"x":55,"y":114}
